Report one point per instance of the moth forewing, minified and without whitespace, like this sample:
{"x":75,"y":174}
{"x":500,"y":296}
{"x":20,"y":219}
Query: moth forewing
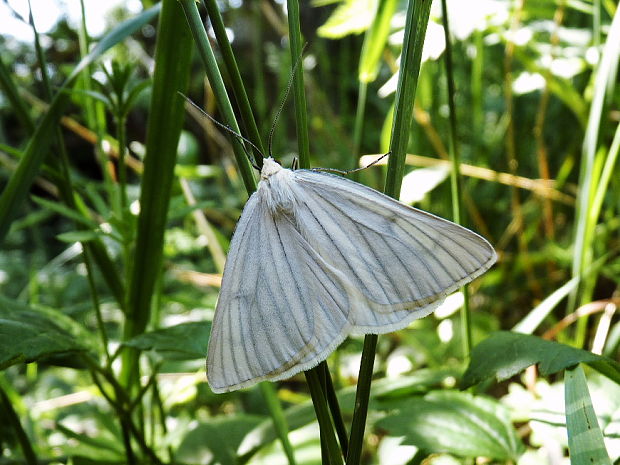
{"x":316,"y":257}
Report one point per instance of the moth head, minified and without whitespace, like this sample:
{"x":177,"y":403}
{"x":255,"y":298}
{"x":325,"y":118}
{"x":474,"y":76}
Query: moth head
{"x":270,"y":167}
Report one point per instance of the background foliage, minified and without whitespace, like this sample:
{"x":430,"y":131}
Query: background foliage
{"x":118,"y":200}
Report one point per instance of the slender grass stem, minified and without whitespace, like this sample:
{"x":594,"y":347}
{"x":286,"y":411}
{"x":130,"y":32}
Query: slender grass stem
{"x":455,"y":177}
{"x":219,"y":89}
{"x":313,"y":378}
{"x":279,"y":420}
{"x":334,"y":407}
{"x":241,"y":95}
{"x":359,"y":125}
{"x":362,"y":398}
{"x":604,"y":79}
{"x":299,"y":94}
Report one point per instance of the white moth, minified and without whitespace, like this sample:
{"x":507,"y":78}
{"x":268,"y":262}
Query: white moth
{"x":316,"y":257}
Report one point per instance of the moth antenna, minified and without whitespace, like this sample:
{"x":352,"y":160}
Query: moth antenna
{"x":283,"y":101}
{"x":295,"y":164}
{"x":229,"y":130}
{"x":345,"y":172}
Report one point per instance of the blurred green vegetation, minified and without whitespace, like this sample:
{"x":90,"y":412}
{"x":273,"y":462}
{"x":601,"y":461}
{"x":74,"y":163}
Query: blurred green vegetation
{"x":118,"y":200}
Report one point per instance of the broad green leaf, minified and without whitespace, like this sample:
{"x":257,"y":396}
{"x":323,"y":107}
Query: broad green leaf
{"x":186,"y":341}
{"x":216,"y":441}
{"x":351,"y":17}
{"x":585,"y":439}
{"x":29,"y":334}
{"x":456,"y":423}
{"x":302,"y":414}
{"x":504,"y":354}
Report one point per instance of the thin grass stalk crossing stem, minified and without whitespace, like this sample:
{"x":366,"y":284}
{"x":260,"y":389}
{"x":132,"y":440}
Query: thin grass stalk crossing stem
{"x":359,"y":125}
{"x":279,"y":420}
{"x":455,"y":177}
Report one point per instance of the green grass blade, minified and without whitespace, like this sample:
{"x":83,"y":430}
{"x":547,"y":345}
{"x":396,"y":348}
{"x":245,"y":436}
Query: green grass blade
{"x":375,"y":41}
{"x":533,"y":319}
{"x":217,"y":83}
{"x":17,"y":103}
{"x":585,"y":439}
{"x":360,"y":111}
{"x":172,"y":58}
{"x":299,"y":94}
{"x":604,"y":84}
{"x":238,"y":88}
{"x":415,"y":31}
{"x":334,"y":456}
{"x":606,"y":172}
{"x":118,"y":34}
{"x":279,"y":420}
{"x":17,"y":188}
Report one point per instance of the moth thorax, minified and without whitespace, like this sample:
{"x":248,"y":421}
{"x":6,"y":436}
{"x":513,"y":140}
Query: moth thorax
{"x":270,"y":167}
{"x":277,"y":192}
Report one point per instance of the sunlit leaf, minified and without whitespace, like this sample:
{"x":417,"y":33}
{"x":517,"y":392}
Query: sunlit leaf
{"x":185,"y":341}
{"x":216,"y":441}
{"x":29,"y":334}
{"x":351,"y":17}
{"x":504,"y":354}
{"x":457,"y":423}
{"x":585,"y":439}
